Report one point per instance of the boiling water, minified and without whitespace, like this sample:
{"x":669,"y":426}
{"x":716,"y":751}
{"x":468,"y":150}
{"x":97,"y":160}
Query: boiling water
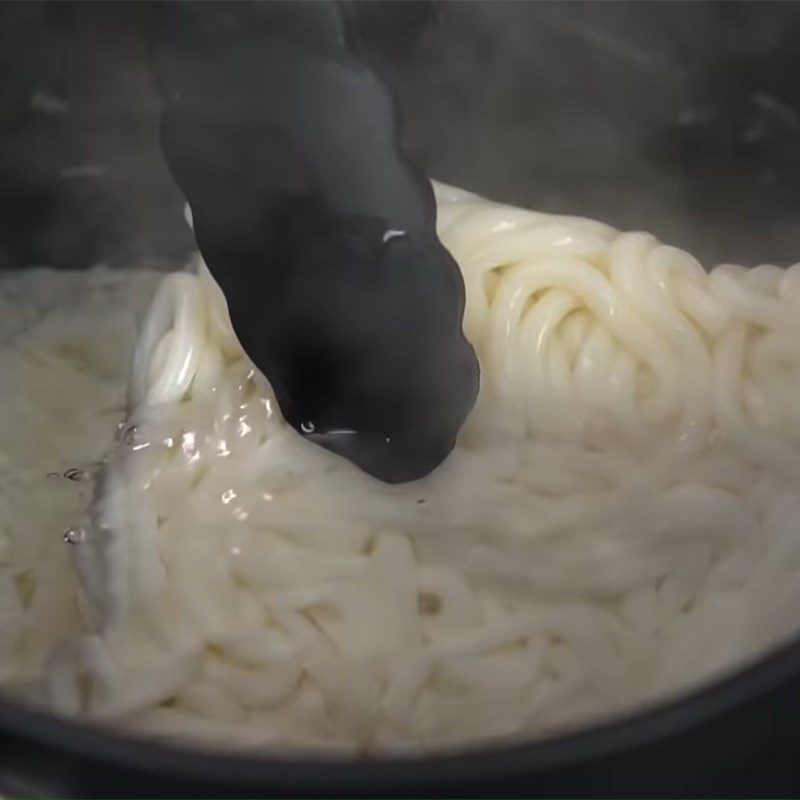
{"x":66,"y":340}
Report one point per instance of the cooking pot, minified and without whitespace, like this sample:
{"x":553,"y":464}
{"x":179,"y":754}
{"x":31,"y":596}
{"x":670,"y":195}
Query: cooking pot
{"x":678,"y":118}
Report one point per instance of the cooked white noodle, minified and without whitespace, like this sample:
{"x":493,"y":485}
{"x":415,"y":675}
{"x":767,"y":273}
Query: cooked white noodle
{"x":618,"y":521}
{"x":65,"y":339}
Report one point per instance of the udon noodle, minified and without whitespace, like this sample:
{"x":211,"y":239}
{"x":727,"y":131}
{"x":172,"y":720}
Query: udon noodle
{"x":618,"y":521}
{"x":65,"y":339}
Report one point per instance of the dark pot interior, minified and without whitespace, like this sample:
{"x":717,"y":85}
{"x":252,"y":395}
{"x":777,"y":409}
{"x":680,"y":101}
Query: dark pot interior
{"x":678,"y":118}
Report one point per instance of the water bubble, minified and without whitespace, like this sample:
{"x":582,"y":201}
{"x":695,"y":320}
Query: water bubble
{"x":74,"y":534}
{"x":307,"y":427}
{"x":129,"y":434}
{"x":75,"y":474}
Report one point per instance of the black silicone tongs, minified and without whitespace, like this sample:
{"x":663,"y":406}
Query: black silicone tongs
{"x":319,"y":231}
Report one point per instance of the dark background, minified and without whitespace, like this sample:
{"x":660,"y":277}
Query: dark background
{"x":682,"y":118}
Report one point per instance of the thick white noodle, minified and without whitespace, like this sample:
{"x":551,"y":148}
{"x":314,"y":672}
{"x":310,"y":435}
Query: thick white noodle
{"x":618,"y":521}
